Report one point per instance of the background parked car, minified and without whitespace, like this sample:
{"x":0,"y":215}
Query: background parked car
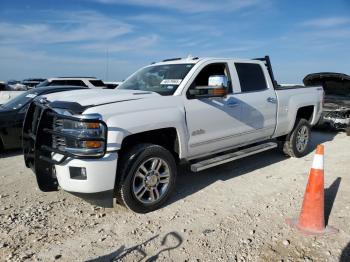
{"x":15,"y":85}
{"x":111,"y":85}
{"x":32,"y":82}
{"x":12,"y":115}
{"x":90,"y":82}
{"x":336,"y":109}
{"x":10,"y":90}
{"x":19,"y":87}
{"x":2,"y":85}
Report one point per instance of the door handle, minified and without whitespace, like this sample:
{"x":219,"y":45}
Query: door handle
{"x":271,"y":100}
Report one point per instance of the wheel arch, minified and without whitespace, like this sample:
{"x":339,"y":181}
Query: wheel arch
{"x":305,"y":112}
{"x":165,"y":137}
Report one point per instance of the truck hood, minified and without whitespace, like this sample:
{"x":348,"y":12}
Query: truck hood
{"x":336,"y":102}
{"x":334,"y":84}
{"x":96,"y":97}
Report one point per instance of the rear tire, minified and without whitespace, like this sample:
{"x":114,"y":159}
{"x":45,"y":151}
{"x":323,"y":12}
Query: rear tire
{"x":297,"y":142}
{"x":148,"y":174}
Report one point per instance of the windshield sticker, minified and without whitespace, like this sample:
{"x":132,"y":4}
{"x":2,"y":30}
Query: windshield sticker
{"x":170,"y":87}
{"x":31,"y":95}
{"x":171,"y":81}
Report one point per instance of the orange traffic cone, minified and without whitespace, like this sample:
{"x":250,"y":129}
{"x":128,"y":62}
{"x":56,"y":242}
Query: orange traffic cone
{"x":311,"y":220}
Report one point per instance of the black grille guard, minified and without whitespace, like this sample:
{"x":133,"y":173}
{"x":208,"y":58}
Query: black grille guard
{"x":37,"y":142}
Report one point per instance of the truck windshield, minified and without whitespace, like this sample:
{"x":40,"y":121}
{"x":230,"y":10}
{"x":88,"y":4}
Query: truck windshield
{"x":162,"y":79}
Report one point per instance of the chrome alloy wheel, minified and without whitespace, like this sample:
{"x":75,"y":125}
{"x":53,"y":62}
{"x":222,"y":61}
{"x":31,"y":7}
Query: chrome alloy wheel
{"x":151,"y":180}
{"x":302,"y":138}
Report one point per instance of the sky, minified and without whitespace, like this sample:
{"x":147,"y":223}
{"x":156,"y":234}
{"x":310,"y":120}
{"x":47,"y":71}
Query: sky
{"x":110,"y":39}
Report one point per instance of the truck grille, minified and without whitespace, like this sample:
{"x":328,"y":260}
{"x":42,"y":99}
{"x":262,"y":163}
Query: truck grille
{"x":58,"y":142}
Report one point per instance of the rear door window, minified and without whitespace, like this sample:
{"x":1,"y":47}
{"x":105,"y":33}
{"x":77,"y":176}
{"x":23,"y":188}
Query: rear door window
{"x":57,"y":83}
{"x":75,"y":83}
{"x":251,"y":77}
{"x":97,"y":83}
{"x":67,"y":83}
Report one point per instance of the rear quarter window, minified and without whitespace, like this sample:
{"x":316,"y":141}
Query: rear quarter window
{"x":251,"y":77}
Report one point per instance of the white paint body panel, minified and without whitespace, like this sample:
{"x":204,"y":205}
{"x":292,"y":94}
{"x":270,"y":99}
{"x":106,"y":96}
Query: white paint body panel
{"x":290,"y":100}
{"x":101,"y":174}
{"x":203,"y":126}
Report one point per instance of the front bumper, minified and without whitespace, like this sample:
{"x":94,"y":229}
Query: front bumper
{"x":54,"y":168}
{"x":97,"y":187}
{"x":100,"y":174}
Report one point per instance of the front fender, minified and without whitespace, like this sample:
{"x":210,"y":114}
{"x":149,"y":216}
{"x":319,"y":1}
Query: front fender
{"x":123,"y":125}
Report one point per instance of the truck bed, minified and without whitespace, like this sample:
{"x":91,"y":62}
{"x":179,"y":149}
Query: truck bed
{"x":288,"y":97}
{"x":289,"y":86}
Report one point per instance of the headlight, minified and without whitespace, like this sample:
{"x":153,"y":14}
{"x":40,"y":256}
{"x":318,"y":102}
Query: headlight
{"x":83,"y":129}
{"x":81,"y":137}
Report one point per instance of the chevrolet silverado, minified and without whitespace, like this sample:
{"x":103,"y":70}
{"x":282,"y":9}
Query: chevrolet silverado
{"x":126,"y":143}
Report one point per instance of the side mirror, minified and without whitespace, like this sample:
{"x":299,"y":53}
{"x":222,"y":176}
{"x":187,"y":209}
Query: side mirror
{"x":217,"y":87}
{"x":218,"y":81}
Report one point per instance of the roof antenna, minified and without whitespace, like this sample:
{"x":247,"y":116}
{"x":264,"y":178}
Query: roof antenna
{"x":107,"y":63}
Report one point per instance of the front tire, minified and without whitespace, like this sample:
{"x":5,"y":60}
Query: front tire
{"x":297,"y":141}
{"x":148,"y":174}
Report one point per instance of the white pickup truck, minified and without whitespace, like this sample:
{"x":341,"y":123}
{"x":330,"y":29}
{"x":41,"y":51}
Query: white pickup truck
{"x":126,"y":143}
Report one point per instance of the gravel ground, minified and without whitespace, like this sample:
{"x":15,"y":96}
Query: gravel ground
{"x":235,"y":212}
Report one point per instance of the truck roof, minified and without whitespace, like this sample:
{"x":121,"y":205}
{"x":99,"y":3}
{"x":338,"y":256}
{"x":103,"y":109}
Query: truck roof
{"x":71,"y":78}
{"x":264,"y":61}
{"x":195,"y":60}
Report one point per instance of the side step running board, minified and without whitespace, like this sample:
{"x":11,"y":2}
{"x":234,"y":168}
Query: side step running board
{"x":208,"y":163}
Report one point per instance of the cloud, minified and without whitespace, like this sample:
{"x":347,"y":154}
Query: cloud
{"x":322,"y":34}
{"x":189,"y":6}
{"x":67,"y":27}
{"x":71,"y":42}
{"x":151,"y":18}
{"x":137,"y":44}
{"x":16,"y":64}
{"x":327,"y":22}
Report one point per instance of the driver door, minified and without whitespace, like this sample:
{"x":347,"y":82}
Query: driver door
{"x":213,"y":122}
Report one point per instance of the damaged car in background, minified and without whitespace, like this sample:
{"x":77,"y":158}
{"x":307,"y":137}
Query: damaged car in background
{"x":336,"y":109}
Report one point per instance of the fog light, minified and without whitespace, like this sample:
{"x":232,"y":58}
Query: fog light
{"x":78,"y":173}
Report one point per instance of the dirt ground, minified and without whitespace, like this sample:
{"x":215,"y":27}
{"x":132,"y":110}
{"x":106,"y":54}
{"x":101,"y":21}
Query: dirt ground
{"x":235,"y":212}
